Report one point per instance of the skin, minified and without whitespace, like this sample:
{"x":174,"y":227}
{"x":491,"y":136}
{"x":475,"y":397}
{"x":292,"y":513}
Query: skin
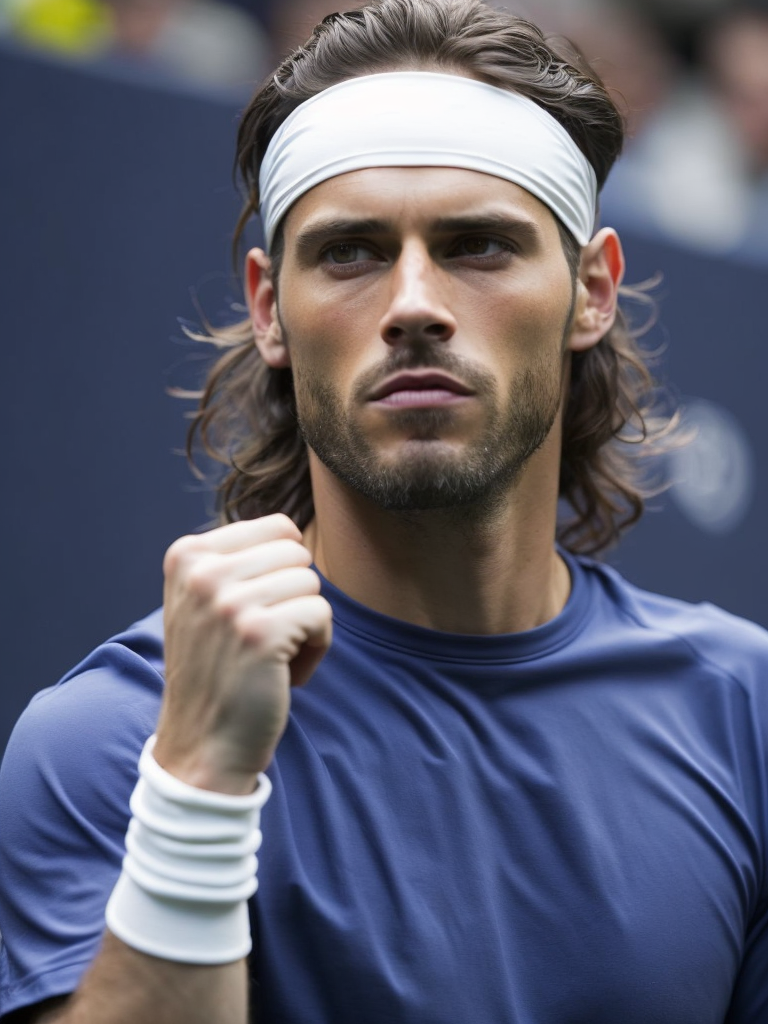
{"x":244,"y":620}
{"x":493,"y":568}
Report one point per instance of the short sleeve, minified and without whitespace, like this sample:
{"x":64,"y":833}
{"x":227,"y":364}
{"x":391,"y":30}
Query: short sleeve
{"x":65,"y":782}
{"x":749,"y":1004}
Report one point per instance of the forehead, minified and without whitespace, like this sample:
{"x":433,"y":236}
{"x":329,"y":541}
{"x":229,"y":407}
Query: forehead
{"x":415,"y":197}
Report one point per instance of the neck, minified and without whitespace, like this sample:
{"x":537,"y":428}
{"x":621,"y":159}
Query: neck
{"x":468,"y":570}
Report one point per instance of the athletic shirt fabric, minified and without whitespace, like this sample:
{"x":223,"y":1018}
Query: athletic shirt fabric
{"x":564,"y":826}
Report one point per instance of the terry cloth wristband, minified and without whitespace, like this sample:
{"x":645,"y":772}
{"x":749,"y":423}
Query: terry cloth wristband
{"x":189,"y":869}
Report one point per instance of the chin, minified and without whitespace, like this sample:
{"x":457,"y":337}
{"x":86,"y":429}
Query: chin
{"x":427,"y":480}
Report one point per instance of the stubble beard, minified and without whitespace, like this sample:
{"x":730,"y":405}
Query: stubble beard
{"x":431,"y":474}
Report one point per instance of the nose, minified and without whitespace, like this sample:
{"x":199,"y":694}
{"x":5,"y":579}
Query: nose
{"x":417,"y":309}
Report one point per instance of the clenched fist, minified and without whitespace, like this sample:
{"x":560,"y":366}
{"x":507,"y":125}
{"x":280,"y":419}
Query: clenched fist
{"x":244,"y":621}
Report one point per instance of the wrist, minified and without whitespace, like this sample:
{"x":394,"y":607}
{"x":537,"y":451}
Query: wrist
{"x":207,"y":770}
{"x":189,"y":868}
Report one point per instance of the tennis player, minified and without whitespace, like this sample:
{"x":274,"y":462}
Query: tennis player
{"x":487,"y":780}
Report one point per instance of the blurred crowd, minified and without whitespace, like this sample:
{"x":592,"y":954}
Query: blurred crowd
{"x":691,"y":77}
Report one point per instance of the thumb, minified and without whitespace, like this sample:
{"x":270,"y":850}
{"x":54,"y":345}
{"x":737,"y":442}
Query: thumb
{"x":306,"y":661}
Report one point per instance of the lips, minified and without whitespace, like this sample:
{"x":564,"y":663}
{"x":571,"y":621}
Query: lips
{"x":413,"y":382}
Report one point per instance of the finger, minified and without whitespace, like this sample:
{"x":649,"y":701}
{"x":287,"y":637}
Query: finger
{"x":230,"y":538}
{"x":303,"y":666}
{"x":303,"y":620}
{"x":274,"y":588}
{"x":244,"y":534}
{"x":208,"y":572}
{"x":262,"y":559}
{"x":279,"y":631}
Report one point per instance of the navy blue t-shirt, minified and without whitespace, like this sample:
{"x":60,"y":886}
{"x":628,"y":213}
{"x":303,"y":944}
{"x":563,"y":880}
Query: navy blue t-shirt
{"x":564,"y":826}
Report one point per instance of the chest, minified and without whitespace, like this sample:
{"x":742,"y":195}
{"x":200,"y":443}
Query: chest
{"x":517,"y":860}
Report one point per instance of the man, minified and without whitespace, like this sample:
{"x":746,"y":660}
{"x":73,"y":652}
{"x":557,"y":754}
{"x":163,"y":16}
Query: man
{"x":515,"y":789}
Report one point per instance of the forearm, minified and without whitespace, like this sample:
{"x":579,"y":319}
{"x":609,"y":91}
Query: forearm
{"x":243,"y":622}
{"x":124,"y":986}
{"x":178,"y":928}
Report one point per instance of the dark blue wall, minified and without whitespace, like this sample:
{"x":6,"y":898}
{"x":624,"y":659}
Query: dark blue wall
{"x":714,"y":332}
{"x":116,"y":201}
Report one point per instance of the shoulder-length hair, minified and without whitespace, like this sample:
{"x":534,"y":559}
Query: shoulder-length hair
{"x":246,"y":418}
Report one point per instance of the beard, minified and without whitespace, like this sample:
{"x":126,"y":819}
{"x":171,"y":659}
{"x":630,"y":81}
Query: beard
{"x":432,"y":474}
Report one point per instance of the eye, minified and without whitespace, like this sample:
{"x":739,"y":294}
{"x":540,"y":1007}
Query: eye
{"x":344,"y":253}
{"x":482,"y":246}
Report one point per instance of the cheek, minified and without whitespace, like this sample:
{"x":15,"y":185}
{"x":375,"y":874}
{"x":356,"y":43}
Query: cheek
{"x":327,"y":339}
{"x":319,"y":361}
{"x":528,"y":319}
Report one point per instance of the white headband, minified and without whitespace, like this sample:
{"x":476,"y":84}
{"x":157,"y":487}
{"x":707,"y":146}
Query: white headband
{"x":423,"y":119}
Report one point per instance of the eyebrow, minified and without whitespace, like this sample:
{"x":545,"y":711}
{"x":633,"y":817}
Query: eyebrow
{"x":308,"y":240}
{"x":523,"y":228}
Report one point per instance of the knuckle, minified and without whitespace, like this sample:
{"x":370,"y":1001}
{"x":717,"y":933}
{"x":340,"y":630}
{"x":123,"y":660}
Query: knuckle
{"x":285,"y":524}
{"x":308,"y":580}
{"x":252,"y":626}
{"x":224,"y":604}
{"x":201,"y":578}
{"x":180,"y":552}
{"x":298,"y":554}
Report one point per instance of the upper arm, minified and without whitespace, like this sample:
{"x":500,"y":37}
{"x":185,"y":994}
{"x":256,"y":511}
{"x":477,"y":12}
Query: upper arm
{"x":65,"y":783}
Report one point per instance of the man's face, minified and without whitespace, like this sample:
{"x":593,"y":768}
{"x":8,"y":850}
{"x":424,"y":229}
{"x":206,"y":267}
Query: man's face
{"x":425,"y":312}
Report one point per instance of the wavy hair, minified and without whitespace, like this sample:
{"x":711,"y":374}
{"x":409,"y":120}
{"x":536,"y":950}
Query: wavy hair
{"x":246,"y":417}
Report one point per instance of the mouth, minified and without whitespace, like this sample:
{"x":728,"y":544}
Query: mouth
{"x":414,"y":390}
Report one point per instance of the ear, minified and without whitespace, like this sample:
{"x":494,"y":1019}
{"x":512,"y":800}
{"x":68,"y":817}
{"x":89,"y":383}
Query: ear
{"x":601,"y":271}
{"x":262,"y":307}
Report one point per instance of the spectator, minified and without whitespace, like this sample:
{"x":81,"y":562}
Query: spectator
{"x":695,"y":172}
{"x":201,"y":41}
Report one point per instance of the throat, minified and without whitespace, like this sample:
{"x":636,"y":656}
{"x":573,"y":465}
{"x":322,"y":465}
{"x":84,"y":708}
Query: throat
{"x":452,"y":570}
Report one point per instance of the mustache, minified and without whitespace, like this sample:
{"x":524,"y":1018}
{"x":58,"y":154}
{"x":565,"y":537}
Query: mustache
{"x":430,"y":357}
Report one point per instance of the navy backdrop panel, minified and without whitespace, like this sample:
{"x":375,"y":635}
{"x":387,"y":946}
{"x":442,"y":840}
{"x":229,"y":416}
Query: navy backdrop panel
{"x":714,"y":331}
{"x":116,"y":201}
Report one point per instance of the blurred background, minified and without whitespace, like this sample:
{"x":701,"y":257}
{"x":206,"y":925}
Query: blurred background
{"x":117,"y":206}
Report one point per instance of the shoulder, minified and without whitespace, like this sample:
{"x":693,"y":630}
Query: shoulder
{"x":127,"y":668}
{"x":65,"y":782}
{"x":94,"y":721}
{"x":711,"y":635}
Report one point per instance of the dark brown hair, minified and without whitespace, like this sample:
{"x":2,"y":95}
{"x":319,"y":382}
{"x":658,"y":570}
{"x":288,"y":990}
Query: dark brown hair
{"x":246,"y":418}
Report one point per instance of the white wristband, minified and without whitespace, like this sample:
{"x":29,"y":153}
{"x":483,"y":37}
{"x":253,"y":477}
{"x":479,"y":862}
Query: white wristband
{"x":189,"y":869}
